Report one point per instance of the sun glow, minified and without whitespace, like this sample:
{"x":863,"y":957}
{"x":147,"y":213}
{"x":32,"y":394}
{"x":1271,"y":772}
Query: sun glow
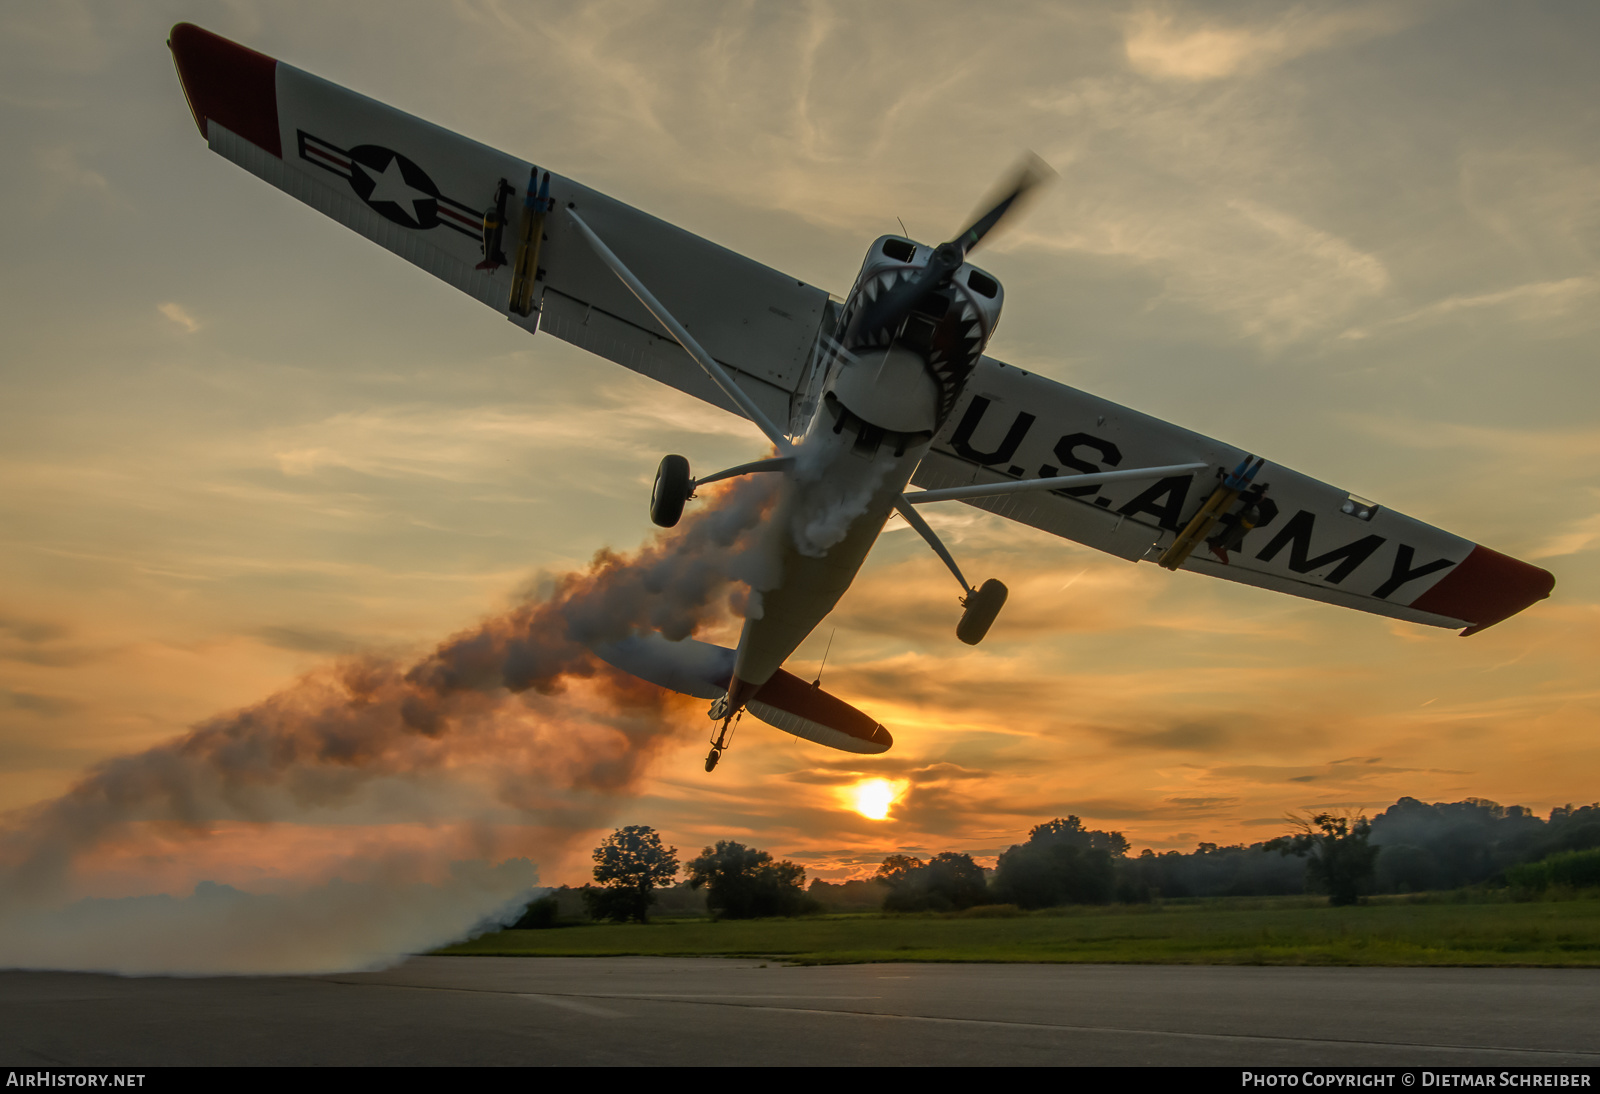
{"x":874,"y":798}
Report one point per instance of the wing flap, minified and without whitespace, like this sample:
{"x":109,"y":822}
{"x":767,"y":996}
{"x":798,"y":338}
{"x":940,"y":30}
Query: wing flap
{"x":1314,"y":540}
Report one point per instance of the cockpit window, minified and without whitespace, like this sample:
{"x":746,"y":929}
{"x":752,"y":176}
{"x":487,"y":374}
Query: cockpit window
{"x":900,"y":250}
{"x":978,"y":283}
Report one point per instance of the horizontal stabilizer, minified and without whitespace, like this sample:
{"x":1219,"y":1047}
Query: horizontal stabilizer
{"x":784,"y":702}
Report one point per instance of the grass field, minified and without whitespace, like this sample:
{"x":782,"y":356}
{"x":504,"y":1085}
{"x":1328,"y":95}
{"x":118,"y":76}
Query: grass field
{"x":1281,"y":931}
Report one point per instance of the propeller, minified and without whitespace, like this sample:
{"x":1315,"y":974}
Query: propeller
{"x":891,"y":307}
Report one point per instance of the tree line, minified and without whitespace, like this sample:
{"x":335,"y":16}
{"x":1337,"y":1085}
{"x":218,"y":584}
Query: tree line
{"x":1410,"y":847}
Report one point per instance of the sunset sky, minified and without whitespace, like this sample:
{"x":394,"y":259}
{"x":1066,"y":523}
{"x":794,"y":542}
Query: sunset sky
{"x":239,"y":443}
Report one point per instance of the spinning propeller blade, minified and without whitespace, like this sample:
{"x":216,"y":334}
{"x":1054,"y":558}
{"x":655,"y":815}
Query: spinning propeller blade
{"x":891,"y":308}
{"x":1029,"y":175}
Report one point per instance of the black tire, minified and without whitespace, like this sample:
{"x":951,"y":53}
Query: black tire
{"x":670,"y":491}
{"x":982,"y":607}
{"x":712,"y":758}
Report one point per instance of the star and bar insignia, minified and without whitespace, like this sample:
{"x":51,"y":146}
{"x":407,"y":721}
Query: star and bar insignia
{"x":392,"y":185}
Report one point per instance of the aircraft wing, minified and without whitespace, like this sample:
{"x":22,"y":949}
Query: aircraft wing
{"x":1314,"y":540}
{"x":423,"y":192}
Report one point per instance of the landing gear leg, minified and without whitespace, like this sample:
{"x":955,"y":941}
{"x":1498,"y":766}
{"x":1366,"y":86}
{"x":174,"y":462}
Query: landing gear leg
{"x":724,"y":732}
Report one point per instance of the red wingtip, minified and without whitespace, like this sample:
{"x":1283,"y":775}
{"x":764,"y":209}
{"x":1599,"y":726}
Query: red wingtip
{"x":1486,"y":587}
{"x":229,"y":84}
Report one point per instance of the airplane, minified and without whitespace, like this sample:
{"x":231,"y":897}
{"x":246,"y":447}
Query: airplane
{"x":859,"y":398}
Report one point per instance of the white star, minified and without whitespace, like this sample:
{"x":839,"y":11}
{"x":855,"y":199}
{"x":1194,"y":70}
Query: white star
{"x":392,"y":186}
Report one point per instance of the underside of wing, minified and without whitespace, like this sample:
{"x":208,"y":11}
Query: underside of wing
{"x":462,"y":211}
{"x":1289,"y":532}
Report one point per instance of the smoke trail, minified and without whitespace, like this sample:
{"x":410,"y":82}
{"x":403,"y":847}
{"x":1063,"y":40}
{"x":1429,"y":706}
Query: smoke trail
{"x":333,"y":927}
{"x":820,"y":513}
{"x":520,"y":694}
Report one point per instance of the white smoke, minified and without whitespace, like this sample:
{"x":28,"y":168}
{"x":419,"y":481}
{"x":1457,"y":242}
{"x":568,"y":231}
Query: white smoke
{"x":556,"y":737}
{"x":338,"y":926}
{"x":822,"y":506}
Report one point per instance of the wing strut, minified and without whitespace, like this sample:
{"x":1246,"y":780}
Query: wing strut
{"x":718,"y":374}
{"x":779,"y":463}
{"x":914,"y":518}
{"x":1056,"y":482}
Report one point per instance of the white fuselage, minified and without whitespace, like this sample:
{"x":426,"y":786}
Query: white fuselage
{"x":878,"y":406}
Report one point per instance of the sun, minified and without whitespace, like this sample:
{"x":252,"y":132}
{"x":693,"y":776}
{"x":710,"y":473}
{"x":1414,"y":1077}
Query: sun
{"x":873,"y":798}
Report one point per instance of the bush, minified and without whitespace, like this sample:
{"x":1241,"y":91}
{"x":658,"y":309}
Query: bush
{"x":1573,"y":869}
{"x":538,"y":915}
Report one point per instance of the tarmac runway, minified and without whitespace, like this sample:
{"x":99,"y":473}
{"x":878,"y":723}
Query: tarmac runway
{"x":666,"y":1011}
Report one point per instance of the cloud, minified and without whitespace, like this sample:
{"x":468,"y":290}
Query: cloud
{"x":847,"y":772}
{"x":1187,"y":737}
{"x":47,"y":705}
{"x":1308,"y":773}
{"x":38,"y":642}
{"x":1277,"y":275}
{"x":1203,"y":803}
{"x":473,"y":444}
{"x":182,"y":318}
{"x":1537,"y":303}
{"x":1501,"y":456}
{"x":1581,"y":535}
{"x":309,"y":640}
{"x":1174,"y":44}
{"x":64,"y":168}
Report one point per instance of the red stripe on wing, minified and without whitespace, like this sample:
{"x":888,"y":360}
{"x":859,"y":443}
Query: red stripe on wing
{"x":227,"y":83}
{"x":339,"y":161}
{"x":1486,"y":587}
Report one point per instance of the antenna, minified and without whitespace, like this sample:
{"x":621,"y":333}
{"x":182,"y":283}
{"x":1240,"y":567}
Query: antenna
{"x":902,"y":224}
{"x":817,"y":683}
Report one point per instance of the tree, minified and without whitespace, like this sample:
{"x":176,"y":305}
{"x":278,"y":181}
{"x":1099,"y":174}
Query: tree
{"x":1070,"y":831}
{"x":1035,"y":875}
{"x":898,"y":870}
{"x":630,"y":863}
{"x":744,"y":883}
{"x":948,"y":882}
{"x":1062,"y":863}
{"x":1340,"y":860}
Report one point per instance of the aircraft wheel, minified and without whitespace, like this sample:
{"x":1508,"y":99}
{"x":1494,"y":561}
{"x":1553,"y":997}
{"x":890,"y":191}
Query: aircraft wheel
{"x":711,"y":759}
{"x":982,"y":607}
{"x":670,"y":491}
